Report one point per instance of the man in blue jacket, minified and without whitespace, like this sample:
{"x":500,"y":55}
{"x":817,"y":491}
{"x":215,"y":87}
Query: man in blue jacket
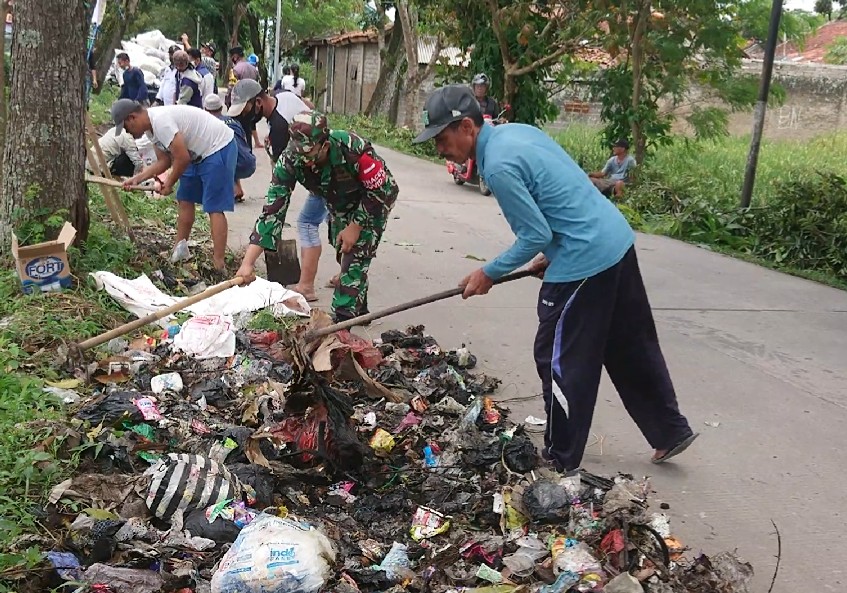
{"x":134,"y":87}
{"x":593,"y":309}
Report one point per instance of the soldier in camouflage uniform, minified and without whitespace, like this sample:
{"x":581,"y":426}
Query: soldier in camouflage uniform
{"x":359,"y":191}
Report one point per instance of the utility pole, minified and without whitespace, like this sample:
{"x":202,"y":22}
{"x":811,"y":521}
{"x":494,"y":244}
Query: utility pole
{"x":276,"y":42}
{"x":197,"y":39}
{"x":761,"y":104}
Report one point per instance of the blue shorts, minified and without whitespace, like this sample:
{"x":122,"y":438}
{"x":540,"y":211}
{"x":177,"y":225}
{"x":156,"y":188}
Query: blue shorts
{"x":211,"y":182}
{"x":314,"y":212}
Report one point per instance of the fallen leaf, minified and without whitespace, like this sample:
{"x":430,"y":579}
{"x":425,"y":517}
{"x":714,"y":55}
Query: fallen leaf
{"x":405,"y":244}
{"x":254,"y":454}
{"x":475,"y":258}
{"x":66,"y":384}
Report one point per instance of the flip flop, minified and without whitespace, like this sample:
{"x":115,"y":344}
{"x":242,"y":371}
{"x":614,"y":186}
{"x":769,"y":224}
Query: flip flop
{"x":676,"y":450}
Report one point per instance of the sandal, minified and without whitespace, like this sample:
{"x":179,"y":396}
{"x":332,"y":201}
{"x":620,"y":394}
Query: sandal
{"x":676,"y":449}
{"x":333,"y":282}
{"x":310,"y":297}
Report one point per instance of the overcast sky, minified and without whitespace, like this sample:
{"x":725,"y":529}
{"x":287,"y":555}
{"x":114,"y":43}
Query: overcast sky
{"x":800,"y":4}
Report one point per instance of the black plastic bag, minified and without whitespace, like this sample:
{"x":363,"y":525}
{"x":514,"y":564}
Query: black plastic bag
{"x":546,"y":501}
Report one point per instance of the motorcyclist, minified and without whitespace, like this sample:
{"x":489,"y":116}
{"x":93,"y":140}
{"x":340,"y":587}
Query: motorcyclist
{"x":480,"y":84}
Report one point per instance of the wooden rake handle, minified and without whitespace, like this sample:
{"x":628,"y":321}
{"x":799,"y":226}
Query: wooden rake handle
{"x":115,"y":183}
{"x":156,"y":316}
{"x":440,"y":296}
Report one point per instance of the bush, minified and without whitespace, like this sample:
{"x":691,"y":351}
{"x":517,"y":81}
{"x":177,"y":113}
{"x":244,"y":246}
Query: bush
{"x":690,"y":190}
{"x":805,"y":225}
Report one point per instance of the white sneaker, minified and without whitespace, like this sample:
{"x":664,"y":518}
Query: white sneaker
{"x":180,"y":252}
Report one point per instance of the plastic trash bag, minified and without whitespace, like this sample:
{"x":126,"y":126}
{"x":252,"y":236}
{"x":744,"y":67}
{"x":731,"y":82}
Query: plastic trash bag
{"x":274,"y":555}
{"x":182,"y":483}
{"x":546,"y":500}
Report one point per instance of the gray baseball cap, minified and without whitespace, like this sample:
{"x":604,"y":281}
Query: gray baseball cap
{"x":120,"y":110}
{"x":444,"y":106}
{"x":242,"y":92}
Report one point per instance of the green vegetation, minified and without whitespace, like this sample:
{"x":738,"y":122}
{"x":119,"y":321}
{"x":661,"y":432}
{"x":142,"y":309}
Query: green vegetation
{"x":690,"y":189}
{"x":33,"y":330}
{"x":380,"y":131}
{"x":836,"y":52}
{"x":98,"y":107}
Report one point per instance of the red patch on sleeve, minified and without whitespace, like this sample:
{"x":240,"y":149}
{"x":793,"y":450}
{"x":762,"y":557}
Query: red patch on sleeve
{"x":372,"y":173}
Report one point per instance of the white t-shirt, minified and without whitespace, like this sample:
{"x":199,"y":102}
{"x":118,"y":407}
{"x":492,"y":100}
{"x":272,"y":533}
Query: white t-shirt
{"x":167,"y":87}
{"x":288,"y":105}
{"x":204,"y":133}
{"x":288,"y":85}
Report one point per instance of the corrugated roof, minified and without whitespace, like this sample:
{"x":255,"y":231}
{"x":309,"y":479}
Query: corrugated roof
{"x":453,"y":55}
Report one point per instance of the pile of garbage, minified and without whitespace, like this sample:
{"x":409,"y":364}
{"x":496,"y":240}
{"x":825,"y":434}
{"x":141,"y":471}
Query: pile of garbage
{"x":340,"y":464}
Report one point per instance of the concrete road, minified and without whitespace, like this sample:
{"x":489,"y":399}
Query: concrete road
{"x":759,"y":360}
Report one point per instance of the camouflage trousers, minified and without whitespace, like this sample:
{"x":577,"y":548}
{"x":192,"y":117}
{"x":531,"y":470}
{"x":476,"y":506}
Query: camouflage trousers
{"x":351,"y":295}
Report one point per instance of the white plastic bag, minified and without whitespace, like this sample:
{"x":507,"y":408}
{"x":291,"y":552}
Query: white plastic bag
{"x":206,"y":336}
{"x":273,"y":555}
{"x":141,"y":297}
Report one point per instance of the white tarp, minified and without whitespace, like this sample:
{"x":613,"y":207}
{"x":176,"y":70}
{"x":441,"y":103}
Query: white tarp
{"x":141,"y":297}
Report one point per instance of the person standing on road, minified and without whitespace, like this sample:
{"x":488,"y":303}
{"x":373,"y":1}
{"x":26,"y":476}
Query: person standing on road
{"x":251,"y":103}
{"x":200,"y":151}
{"x":245,"y":163}
{"x":293,"y":82}
{"x":359,"y":191}
{"x":167,"y":81}
{"x":242,"y":70}
{"x":593,"y":309}
{"x":208,"y":85}
{"x":134,"y":87}
{"x":188,"y":81}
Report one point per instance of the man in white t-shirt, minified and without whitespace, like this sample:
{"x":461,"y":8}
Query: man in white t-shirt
{"x":201,"y":153}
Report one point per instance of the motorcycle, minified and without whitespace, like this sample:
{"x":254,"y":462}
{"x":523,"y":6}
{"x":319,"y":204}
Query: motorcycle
{"x":467,"y":172}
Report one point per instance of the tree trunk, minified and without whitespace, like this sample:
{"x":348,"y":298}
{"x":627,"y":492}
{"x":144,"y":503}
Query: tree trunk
{"x":638,"y":139}
{"x":385,"y":98}
{"x":119,"y":15}
{"x":43,"y":173}
{"x":258,"y":46}
{"x":4,"y":10}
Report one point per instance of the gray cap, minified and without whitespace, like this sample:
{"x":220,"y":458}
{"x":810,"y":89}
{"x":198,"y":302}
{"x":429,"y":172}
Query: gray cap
{"x":120,"y":110}
{"x":212,"y":102}
{"x":444,"y":106}
{"x":243,"y":91}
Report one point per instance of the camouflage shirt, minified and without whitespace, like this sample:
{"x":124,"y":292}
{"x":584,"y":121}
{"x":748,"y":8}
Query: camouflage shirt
{"x":355,"y":182}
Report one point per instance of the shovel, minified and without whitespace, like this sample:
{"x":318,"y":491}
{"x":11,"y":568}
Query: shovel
{"x":283,"y":264}
{"x":440,"y":296}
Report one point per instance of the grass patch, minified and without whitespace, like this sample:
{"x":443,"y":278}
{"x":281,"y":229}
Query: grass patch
{"x":100,"y":103}
{"x":690,"y":190}
{"x":380,"y":131}
{"x":33,"y":329}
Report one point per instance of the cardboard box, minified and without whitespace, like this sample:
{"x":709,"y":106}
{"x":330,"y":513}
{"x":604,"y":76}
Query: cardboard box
{"x":44,"y":267}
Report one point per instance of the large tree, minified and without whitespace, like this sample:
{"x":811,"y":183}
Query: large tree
{"x":43,"y":169}
{"x":661,"y":48}
{"x":520,"y":44}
